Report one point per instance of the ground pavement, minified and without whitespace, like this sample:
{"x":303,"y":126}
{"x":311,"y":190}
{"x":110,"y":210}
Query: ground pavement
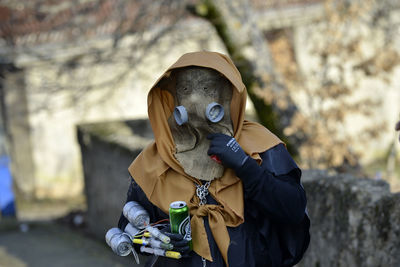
{"x":53,"y":244}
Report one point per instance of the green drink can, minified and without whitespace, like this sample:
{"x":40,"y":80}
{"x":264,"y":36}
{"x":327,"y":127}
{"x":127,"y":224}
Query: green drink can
{"x":179,"y":219}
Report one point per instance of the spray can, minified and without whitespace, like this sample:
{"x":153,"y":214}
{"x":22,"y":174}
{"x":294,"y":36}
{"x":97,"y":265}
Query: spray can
{"x":180,"y":220}
{"x":136,"y":214}
{"x":119,"y":242}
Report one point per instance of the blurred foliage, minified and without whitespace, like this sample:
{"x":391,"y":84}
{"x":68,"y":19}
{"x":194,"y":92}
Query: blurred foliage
{"x":240,"y":34}
{"x":353,"y":41}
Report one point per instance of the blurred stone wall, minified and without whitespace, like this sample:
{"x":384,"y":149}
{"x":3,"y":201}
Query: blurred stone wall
{"x":354,"y":221}
{"x":107,"y":151}
{"x":16,"y":129}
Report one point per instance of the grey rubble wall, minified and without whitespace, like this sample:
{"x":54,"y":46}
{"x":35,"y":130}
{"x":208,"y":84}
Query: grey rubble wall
{"x":107,"y":151}
{"x":354,"y":221}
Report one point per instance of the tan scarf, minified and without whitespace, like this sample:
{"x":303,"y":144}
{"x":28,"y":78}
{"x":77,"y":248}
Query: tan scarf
{"x":162,"y":178}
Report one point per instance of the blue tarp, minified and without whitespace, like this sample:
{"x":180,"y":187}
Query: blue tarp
{"x":7,"y":206}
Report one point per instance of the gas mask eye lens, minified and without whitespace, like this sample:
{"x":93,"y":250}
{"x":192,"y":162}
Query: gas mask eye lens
{"x":214,"y":112}
{"x":180,"y":115}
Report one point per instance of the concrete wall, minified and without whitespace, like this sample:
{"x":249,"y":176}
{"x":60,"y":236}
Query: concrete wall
{"x":354,"y":221}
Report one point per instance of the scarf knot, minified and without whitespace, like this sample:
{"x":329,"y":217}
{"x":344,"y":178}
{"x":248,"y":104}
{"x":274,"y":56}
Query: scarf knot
{"x":216,"y":220}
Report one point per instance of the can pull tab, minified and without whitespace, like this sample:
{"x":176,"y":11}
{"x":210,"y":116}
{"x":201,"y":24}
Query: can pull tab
{"x":216,"y":159}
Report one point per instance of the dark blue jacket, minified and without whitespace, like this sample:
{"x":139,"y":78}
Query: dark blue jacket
{"x":275,"y":231}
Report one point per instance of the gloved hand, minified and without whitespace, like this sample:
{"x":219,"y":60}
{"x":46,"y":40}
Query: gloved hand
{"x":180,"y":245}
{"x":227,"y":149}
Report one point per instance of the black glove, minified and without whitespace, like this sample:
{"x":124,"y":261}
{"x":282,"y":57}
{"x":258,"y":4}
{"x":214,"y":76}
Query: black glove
{"x":227,"y":149}
{"x":180,"y":244}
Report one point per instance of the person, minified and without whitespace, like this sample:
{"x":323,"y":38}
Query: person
{"x":242,"y":187}
{"x":398,"y":127}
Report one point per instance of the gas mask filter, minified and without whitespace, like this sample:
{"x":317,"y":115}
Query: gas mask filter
{"x":214,"y":113}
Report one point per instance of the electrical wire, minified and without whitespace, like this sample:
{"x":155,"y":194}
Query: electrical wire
{"x":159,"y":223}
{"x":163,"y":220}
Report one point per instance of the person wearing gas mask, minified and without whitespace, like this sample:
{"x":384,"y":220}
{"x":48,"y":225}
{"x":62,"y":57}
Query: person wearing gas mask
{"x":243,"y":190}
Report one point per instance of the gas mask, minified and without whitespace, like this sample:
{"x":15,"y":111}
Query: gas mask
{"x":202,"y":106}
